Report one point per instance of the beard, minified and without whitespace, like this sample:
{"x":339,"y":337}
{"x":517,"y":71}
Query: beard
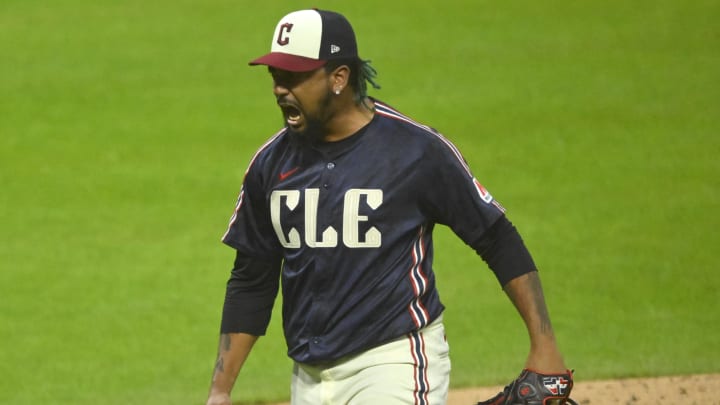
{"x":311,"y":134}
{"x":314,"y":129}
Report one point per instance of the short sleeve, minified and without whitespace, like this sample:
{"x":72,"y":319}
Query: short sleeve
{"x":250,"y":230}
{"x":454,"y":197}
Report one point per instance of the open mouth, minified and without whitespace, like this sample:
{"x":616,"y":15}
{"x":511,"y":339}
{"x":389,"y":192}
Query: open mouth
{"x":292,"y":114}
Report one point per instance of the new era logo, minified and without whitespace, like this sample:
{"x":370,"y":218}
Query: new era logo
{"x":334,"y":49}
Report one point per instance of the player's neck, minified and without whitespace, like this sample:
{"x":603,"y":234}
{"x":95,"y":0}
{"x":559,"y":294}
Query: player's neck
{"x":349,"y":118}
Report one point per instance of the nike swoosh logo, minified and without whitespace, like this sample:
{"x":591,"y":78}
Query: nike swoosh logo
{"x":288,"y":173}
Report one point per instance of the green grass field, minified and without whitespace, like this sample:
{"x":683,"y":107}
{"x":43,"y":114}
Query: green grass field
{"x":125,"y":128}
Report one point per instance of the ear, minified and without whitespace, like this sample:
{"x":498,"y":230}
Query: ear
{"x":339,"y":78}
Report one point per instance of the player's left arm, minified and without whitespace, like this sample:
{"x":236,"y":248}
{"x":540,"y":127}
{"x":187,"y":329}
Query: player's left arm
{"x":526,"y":294}
{"x":462,"y":203}
{"x":503,"y":249}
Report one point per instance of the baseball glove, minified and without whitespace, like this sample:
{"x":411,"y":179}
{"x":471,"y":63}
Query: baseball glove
{"x":532,"y":388}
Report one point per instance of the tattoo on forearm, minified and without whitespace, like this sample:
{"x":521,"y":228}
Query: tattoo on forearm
{"x":224,"y":347}
{"x":526,"y":293}
{"x":540,"y":305}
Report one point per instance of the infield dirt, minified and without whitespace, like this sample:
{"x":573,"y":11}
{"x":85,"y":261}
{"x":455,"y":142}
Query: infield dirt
{"x":678,"y":390}
{"x":700,"y":389}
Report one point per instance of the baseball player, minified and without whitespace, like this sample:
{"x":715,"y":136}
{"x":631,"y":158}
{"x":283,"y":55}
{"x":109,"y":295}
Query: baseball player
{"x":340,"y":205}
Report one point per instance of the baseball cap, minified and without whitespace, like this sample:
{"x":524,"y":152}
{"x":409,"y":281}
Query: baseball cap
{"x":305,"y":40}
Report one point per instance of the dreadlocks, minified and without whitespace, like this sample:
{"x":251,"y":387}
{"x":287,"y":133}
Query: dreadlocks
{"x":361,"y":73}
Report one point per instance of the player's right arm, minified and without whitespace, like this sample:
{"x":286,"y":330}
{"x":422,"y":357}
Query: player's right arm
{"x":249,"y":298}
{"x":254,"y":280}
{"x":233,"y":350}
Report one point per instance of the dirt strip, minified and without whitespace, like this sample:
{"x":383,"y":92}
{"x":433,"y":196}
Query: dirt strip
{"x":679,"y":390}
{"x":703,"y":389}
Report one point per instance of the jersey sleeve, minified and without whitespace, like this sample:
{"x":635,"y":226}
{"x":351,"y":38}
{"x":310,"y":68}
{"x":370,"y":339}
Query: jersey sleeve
{"x":454,"y":197}
{"x":250,"y":230}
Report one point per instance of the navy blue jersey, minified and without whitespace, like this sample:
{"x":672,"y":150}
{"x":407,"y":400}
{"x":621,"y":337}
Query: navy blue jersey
{"x":353,"y":222}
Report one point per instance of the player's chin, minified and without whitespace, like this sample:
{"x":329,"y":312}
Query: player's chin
{"x":296,"y":125}
{"x":299,"y":132}
{"x":296,"y":128}
{"x":308,"y":131}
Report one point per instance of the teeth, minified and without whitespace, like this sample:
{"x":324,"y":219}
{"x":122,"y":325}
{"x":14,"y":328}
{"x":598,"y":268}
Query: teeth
{"x":292,"y":114}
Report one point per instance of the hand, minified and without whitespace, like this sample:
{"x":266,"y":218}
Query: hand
{"x":219,"y":399}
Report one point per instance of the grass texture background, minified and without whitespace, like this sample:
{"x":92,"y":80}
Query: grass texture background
{"x":126,"y":126}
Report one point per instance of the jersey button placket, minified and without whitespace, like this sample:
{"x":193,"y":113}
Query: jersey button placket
{"x":324,"y":220}
{"x":329,"y":166}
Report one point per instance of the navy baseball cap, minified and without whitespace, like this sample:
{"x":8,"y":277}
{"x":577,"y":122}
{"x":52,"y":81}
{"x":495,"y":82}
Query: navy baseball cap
{"x":305,"y":40}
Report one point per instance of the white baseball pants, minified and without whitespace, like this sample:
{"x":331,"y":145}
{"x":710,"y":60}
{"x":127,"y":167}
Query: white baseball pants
{"x":412,"y":370}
